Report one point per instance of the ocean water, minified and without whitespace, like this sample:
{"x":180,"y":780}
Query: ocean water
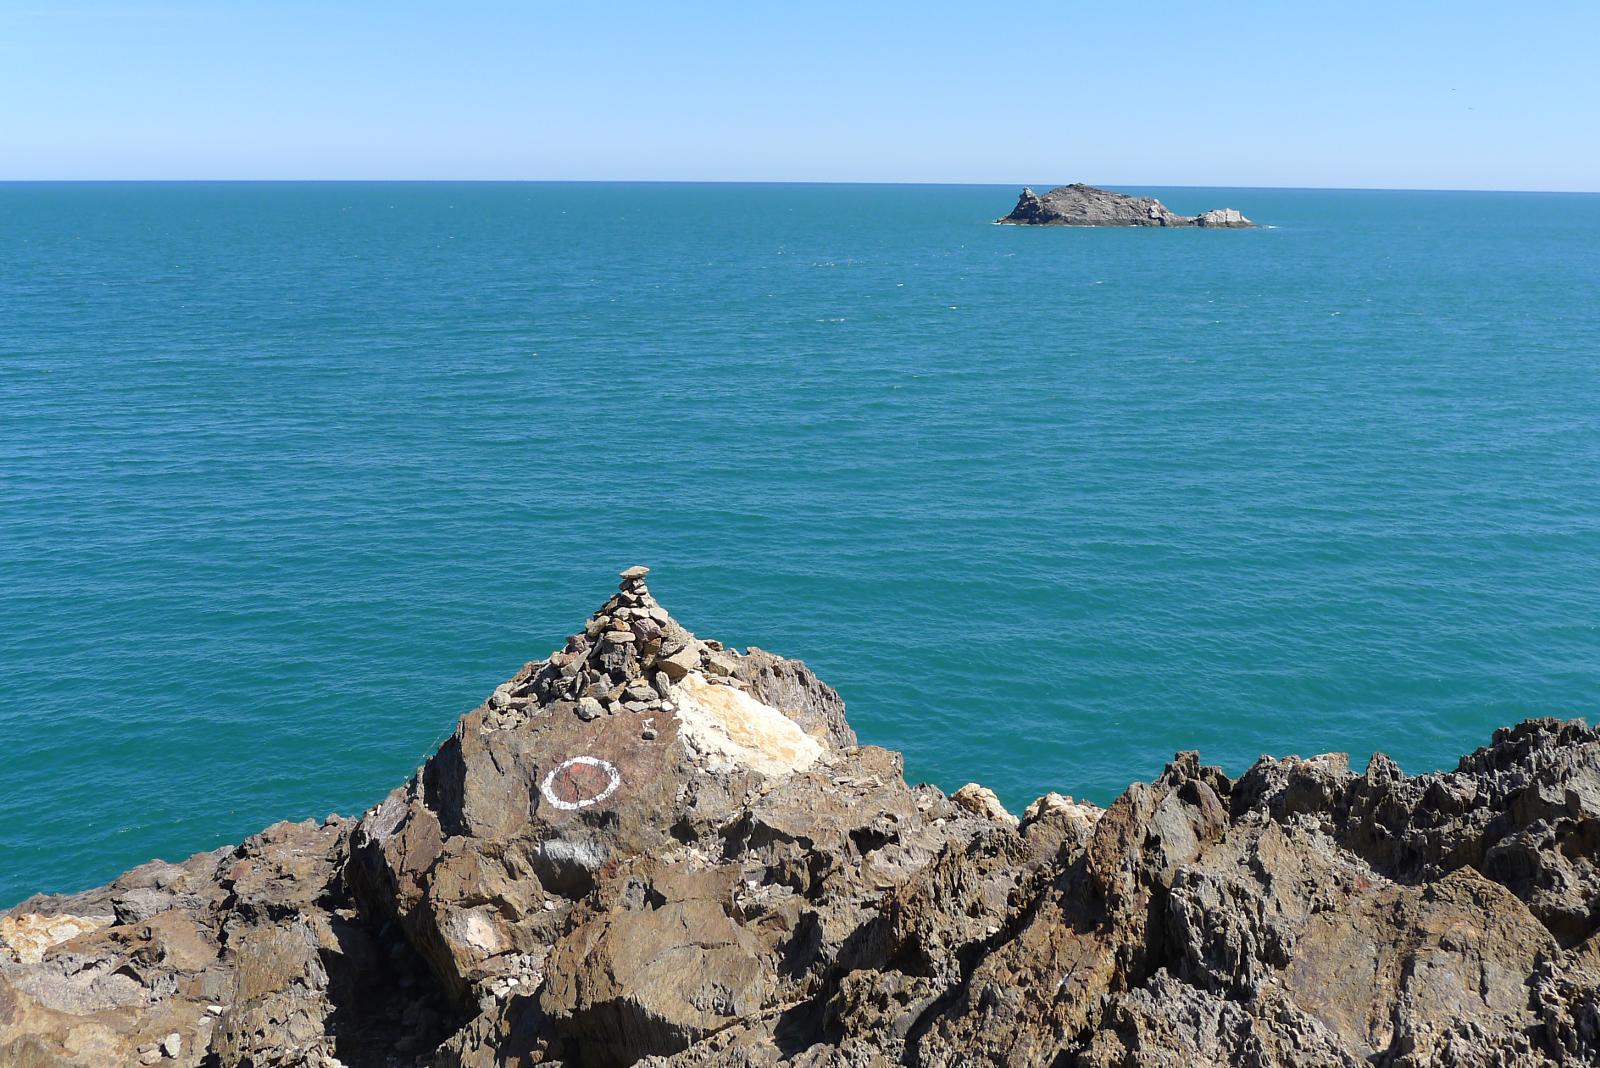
{"x":292,"y":475}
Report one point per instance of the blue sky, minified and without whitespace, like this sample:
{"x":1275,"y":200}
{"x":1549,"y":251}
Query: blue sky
{"x":1407,"y":95}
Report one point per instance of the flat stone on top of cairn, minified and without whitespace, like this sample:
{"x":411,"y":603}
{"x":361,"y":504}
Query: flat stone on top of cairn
{"x":634,"y":573}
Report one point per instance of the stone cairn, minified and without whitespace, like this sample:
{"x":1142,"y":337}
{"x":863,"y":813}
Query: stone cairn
{"x":626,"y":659}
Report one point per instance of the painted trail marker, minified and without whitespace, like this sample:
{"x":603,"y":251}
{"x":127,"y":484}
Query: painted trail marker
{"x":580,"y":782}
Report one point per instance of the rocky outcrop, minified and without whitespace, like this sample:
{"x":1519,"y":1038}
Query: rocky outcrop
{"x":1084,"y":205}
{"x":650,"y":849}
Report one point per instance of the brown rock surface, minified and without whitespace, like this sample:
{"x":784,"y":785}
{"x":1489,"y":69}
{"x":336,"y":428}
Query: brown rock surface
{"x":651,"y":849}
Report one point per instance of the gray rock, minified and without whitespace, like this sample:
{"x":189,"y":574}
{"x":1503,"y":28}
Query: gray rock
{"x":680,"y":663}
{"x":1225,"y":217}
{"x":1084,"y":205}
{"x":141,"y":903}
{"x":720,"y":662}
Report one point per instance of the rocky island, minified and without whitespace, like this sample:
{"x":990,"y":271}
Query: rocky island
{"x":651,"y":849}
{"x":1084,"y":205}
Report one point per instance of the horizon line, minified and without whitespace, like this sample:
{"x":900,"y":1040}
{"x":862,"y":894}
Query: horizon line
{"x":763,"y":181}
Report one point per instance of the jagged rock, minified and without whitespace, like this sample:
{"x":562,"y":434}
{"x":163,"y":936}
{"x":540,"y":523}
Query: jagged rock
{"x":1227,"y":217}
{"x":657,"y":851}
{"x":1168,"y":1023}
{"x":680,"y":663}
{"x":1085,"y":205}
{"x":981,"y":801}
{"x":264,"y":931}
{"x":1079,"y":816}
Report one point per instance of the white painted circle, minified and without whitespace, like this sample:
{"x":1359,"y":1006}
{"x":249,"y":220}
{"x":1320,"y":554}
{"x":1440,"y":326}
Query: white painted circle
{"x":613,"y":777}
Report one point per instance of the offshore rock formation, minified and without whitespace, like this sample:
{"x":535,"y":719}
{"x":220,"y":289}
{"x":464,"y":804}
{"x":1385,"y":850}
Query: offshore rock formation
{"x":649,"y":849}
{"x":1084,"y":205}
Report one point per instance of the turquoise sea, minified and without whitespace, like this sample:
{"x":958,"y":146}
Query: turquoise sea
{"x":291,"y":475}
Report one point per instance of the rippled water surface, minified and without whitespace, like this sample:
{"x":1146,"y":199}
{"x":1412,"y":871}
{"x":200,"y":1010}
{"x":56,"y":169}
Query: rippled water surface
{"x":292,"y":475}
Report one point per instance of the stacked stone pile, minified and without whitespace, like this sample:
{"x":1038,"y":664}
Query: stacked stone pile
{"x":626,"y":659}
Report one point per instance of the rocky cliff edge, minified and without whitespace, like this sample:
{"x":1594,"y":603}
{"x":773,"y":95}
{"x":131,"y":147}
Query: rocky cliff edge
{"x":651,"y":849}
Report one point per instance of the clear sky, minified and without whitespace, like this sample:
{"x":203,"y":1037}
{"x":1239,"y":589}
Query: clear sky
{"x":1395,"y":94}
